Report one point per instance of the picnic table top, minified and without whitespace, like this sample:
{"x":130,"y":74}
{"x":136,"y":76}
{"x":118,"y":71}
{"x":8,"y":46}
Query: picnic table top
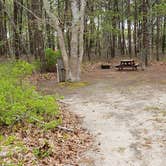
{"x":127,"y":60}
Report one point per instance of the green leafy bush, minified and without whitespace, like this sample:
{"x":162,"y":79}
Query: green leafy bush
{"x":20,"y":101}
{"x":51,"y":59}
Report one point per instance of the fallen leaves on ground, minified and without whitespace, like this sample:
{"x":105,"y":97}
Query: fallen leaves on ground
{"x":42,"y":77}
{"x":30,"y":145}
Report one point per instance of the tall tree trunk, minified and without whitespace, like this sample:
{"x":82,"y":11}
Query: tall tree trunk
{"x":145,"y":32}
{"x":37,"y":33}
{"x":30,"y":29}
{"x":158,"y":39}
{"x":2,"y":30}
{"x":164,"y":36}
{"x":152,"y":37}
{"x":135,"y":27}
{"x":16,"y":31}
{"x":6,"y":47}
{"x":114,"y":23}
{"x":129,"y":27}
{"x":50,"y":34}
{"x":20,"y":25}
{"x":74,"y":41}
{"x":123,"y":30}
{"x":73,"y":63}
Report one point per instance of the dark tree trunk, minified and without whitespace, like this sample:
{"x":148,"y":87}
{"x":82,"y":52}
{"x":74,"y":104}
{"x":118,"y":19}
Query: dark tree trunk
{"x":30,"y":30}
{"x":6,"y":47}
{"x":20,"y":25}
{"x":145,"y":32}
{"x":114,"y":23}
{"x":158,"y":34}
{"x":164,"y":36}
{"x":2,"y":30}
{"x":152,"y":38}
{"x":37,"y":32}
{"x":135,"y":28}
{"x":123,"y":30}
{"x":158,"y":39}
{"x":50,"y":35}
{"x":129,"y":27}
{"x":16,"y":31}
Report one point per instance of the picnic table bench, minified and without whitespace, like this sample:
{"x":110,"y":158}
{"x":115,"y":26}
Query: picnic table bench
{"x":128,"y":63}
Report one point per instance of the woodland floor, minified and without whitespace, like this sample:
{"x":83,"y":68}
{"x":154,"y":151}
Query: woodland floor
{"x":124,"y":111}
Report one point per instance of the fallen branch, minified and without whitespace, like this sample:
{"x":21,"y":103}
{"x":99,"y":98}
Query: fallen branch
{"x":65,"y":129}
{"x":58,"y":127}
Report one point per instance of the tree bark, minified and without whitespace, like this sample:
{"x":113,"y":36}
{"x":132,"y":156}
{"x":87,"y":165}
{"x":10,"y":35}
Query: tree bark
{"x":164,"y":36}
{"x":16,"y":31}
{"x":135,"y":27}
{"x":73,"y":63}
{"x":129,"y":27}
{"x":37,"y":32}
{"x":3,"y":30}
{"x":145,"y":32}
{"x":158,"y":39}
{"x":30,"y":30}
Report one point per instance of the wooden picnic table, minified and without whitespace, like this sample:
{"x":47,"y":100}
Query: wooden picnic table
{"x":127,"y":63}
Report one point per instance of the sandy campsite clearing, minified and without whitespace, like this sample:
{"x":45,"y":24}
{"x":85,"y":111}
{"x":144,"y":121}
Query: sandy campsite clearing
{"x":124,"y":111}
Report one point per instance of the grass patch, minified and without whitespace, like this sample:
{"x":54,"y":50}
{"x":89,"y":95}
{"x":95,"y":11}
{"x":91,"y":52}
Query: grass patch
{"x":163,"y":112}
{"x":107,"y":115}
{"x":152,"y":108}
{"x":158,"y":110}
{"x":73,"y":85}
{"x":163,"y":82}
{"x":121,"y":149}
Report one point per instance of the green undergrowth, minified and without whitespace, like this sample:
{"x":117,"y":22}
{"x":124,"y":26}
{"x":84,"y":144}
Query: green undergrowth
{"x":20,"y":102}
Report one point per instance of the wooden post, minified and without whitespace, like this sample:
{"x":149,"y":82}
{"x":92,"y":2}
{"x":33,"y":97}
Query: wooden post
{"x":60,"y":71}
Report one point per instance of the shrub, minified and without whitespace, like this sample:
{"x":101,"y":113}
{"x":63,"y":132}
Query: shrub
{"x":51,"y":59}
{"x":20,"y":101}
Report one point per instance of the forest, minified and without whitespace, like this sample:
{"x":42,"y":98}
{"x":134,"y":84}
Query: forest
{"x":101,"y":30}
{"x":52,"y":56}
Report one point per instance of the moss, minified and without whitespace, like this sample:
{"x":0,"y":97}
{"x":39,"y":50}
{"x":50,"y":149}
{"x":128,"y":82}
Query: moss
{"x":152,"y":108}
{"x":73,"y":85}
{"x":121,"y":149}
{"x":163,"y":112}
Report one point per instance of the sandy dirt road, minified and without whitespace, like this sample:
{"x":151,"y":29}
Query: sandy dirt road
{"x":128,"y":122}
{"x":126,"y":113}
